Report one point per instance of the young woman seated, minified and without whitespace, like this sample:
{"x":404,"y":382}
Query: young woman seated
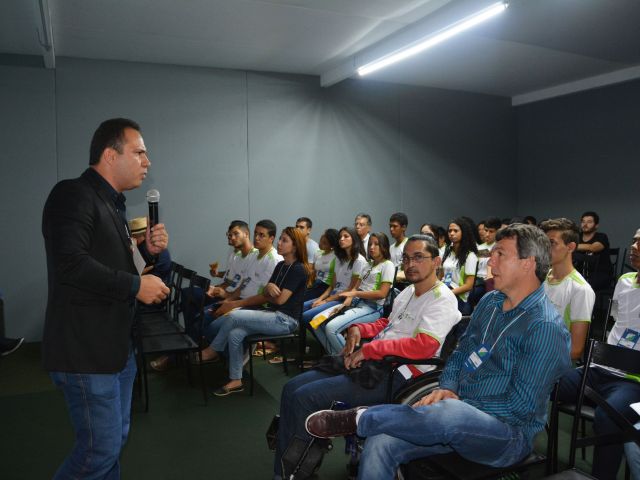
{"x":324,"y":265}
{"x":460,"y":262}
{"x":366,"y":299}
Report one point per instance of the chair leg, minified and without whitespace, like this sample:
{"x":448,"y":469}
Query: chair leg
{"x":202,"y":378}
{"x":302,"y":342}
{"x":251,"y":372}
{"x":583,"y":432}
{"x":284,"y":357}
{"x":145,"y":383}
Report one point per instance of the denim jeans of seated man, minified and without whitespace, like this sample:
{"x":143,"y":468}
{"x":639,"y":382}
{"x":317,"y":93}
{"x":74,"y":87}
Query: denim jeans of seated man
{"x":100,"y":409}
{"x":314,"y":390}
{"x":632,"y":452}
{"x":397,"y":434}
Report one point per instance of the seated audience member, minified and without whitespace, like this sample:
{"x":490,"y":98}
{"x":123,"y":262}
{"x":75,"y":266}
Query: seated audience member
{"x":214,"y":268}
{"x":460,"y":262}
{"x":366,"y":300}
{"x":324,"y":265}
{"x":348,"y":267}
{"x":398,"y":223}
{"x":480,"y":228}
{"x":438,"y":233}
{"x":237,"y":268}
{"x":255,"y":277}
{"x":529,"y":220}
{"x":304,"y":224}
{"x":620,"y":389}
{"x":495,"y":387}
{"x":484,"y":283}
{"x":284,"y":295}
{"x":632,"y":452}
{"x":422,"y":316}
{"x":505,"y":222}
{"x":569,"y":292}
{"x":362,"y":224}
{"x":592,"y":254}
{"x":162,"y":266}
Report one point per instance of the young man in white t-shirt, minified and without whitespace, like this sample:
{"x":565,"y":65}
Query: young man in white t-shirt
{"x":422,"y":316}
{"x":569,"y":292}
{"x":619,"y":389}
{"x":304,"y":224}
{"x":398,"y":223}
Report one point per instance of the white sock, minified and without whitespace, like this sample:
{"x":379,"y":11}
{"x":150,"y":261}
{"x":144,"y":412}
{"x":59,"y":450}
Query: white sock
{"x":358,"y":413}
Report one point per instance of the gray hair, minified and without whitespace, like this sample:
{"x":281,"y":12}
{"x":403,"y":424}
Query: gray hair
{"x":530,"y":242}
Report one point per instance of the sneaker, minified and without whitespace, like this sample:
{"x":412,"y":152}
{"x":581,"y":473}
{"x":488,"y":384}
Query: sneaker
{"x":332,"y":423}
{"x":10,"y":345}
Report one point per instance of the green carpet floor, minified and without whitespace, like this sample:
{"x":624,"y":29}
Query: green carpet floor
{"x":180,"y":437}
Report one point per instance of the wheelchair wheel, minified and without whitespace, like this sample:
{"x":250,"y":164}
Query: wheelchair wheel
{"x":416,"y":393}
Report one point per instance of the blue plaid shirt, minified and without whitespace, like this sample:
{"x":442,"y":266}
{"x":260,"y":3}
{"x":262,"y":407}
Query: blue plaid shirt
{"x":529,"y":352}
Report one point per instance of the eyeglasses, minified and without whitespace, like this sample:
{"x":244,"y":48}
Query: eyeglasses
{"x":417,"y":258}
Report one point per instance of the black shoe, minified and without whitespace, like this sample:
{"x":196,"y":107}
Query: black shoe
{"x":10,"y":345}
{"x":332,"y":423}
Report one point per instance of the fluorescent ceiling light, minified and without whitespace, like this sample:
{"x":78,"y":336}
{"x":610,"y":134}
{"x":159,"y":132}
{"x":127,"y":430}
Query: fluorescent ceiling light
{"x":435,"y":39}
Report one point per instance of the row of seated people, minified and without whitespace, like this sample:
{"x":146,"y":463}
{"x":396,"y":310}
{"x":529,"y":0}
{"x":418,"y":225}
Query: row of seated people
{"x":517,"y":346}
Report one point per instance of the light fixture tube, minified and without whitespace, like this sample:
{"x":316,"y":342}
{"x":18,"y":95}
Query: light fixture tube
{"x":432,"y":40}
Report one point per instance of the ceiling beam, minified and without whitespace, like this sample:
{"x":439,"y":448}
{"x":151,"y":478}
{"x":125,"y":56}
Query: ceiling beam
{"x":597,"y":81}
{"x":48,"y":51}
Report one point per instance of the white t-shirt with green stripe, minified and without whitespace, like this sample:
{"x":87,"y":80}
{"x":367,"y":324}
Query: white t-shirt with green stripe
{"x":238,"y":266}
{"x":455,"y":275}
{"x":258,"y":273}
{"x":572,"y":296}
{"x":344,"y":273}
{"x":373,"y":276}
{"x":325,"y":266}
{"x":396,"y":252}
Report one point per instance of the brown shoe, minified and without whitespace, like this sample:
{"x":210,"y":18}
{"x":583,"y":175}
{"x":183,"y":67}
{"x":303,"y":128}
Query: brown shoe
{"x":332,"y":423}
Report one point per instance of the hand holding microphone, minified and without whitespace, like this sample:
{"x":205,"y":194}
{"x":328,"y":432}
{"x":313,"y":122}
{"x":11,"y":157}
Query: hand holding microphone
{"x":157,"y":238}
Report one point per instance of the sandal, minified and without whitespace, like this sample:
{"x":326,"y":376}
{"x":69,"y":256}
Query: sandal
{"x":258,"y":352}
{"x":278,"y":360}
{"x":224,"y":390}
{"x":160,"y":364}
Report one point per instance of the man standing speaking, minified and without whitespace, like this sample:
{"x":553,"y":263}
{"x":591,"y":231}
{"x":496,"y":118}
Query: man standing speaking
{"x":94,"y":279}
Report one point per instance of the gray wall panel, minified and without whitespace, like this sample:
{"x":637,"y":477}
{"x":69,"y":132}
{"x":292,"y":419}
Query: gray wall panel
{"x":28,"y":165}
{"x":580,"y":152}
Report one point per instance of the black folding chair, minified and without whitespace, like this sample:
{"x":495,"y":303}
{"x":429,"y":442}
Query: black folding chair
{"x":601,"y":354}
{"x":180,"y":342}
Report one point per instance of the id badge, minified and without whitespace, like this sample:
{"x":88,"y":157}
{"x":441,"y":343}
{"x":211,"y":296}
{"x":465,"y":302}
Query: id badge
{"x":448,"y":277}
{"x":477,"y":358}
{"x":629,"y":339}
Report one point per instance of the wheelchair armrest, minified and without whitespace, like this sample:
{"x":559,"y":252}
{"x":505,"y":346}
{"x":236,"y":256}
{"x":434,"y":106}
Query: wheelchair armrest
{"x":437,"y":361}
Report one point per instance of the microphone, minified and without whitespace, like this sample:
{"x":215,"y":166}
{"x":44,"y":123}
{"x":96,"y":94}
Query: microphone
{"x":153,"y":197}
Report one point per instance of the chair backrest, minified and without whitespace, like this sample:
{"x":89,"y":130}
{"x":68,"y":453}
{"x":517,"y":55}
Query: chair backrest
{"x":451,"y":342}
{"x":613,"y":356}
{"x":614,"y":257}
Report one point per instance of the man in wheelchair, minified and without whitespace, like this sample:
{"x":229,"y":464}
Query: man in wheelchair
{"x":422,"y":316}
{"x":495,"y":387}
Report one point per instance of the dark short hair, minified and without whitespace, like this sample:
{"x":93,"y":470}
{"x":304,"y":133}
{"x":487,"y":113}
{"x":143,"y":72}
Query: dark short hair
{"x":530,"y":242}
{"x":569,"y":231}
{"x":492,"y":222}
{"x":269,"y":225}
{"x":241,"y":224}
{"x":110,"y":134}
{"x":401,"y":218}
{"x":383,"y":242}
{"x":430,"y":243}
{"x":364,"y":215}
{"x":596,"y":217}
{"x":306,"y":220}
{"x":332,"y":236}
{"x":531,"y":220}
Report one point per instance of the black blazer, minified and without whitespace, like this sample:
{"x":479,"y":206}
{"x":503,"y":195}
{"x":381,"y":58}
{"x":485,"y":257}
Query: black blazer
{"x":90,"y":274}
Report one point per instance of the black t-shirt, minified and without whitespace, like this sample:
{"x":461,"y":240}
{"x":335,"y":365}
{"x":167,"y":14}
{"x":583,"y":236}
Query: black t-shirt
{"x":294,"y":278}
{"x":596,"y":262}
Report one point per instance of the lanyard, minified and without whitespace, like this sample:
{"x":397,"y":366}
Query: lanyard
{"x":495,"y":309}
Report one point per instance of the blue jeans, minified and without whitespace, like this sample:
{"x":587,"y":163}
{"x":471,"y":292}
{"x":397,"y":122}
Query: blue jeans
{"x":315,"y":390}
{"x":239,"y":324}
{"x":330,"y":333}
{"x":617,"y":392}
{"x":632,"y":452}
{"x":397,"y":434}
{"x":100,"y":410}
